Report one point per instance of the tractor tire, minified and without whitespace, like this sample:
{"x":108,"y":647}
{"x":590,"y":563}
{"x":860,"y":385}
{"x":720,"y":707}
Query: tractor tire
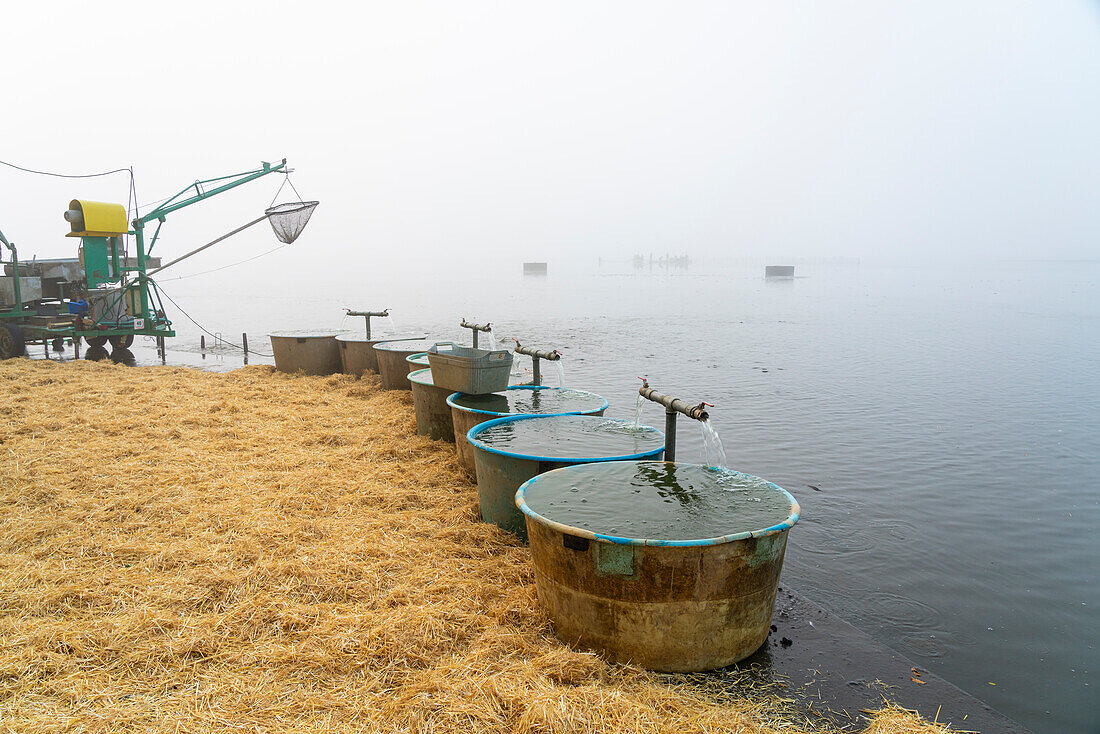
{"x":122,"y":341}
{"x":11,"y":341}
{"x":96,"y":341}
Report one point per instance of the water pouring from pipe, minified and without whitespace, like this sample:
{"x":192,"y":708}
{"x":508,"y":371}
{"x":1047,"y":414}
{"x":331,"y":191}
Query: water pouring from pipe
{"x":712,"y":444}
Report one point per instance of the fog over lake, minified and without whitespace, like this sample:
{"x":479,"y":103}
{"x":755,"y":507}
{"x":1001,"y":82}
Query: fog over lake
{"x":926,"y":386}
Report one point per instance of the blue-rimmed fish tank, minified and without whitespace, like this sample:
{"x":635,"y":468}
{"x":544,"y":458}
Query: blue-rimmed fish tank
{"x":433,"y":415}
{"x":508,"y":451}
{"x":468,"y":411}
{"x":392,"y":365}
{"x":670,"y":566}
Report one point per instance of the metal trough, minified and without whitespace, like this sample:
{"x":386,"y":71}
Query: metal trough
{"x":392,"y":364}
{"x":469,"y":410}
{"x":418,"y":361}
{"x":357,"y":351}
{"x":433,"y":415}
{"x":311,"y":352}
{"x":509,"y":451}
{"x":672,"y":604}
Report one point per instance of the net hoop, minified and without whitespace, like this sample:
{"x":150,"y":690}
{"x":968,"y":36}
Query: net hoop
{"x":289,"y":219}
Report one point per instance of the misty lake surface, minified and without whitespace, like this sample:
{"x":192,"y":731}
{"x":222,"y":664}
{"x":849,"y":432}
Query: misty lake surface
{"x":939,"y":425}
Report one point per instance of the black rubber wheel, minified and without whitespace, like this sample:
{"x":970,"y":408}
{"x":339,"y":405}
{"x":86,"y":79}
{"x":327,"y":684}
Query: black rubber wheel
{"x":96,"y":341}
{"x":11,"y":341}
{"x":122,"y":341}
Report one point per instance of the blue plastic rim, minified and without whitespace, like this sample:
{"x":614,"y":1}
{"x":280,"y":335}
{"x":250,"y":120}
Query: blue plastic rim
{"x":412,"y":376}
{"x":471,"y":437}
{"x":590,"y":411}
{"x":521,"y":503}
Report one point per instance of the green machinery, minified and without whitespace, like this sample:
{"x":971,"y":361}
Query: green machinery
{"x":106,"y":294}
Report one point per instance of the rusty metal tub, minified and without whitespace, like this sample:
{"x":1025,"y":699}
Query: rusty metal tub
{"x":433,"y":415}
{"x":312,"y":352}
{"x":357,"y":351}
{"x":671,"y":604}
{"x":392,"y":361}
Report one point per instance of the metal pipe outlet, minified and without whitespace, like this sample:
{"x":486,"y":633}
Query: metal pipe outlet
{"x":367,"y":316}
{"x":475,"y":328}
{"x":672,"y":407}
{"x":535,"y":356}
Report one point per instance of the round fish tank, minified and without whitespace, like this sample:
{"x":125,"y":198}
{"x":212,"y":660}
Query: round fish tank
{"x":308,"y":351}
{"x":391,"y":357}
{"x":670,"y":566}
{"x":509,"y":451}
{"x":469,"y":410}
{"x":418,"y":361}
{"x":357,"y":351}
{"x":433,"y":415}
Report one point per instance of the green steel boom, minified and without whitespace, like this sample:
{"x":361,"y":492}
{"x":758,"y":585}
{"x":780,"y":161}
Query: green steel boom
{"x":174,"y":204}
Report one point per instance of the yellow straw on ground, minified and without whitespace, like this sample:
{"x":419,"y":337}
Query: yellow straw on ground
{"x":254,"y":551}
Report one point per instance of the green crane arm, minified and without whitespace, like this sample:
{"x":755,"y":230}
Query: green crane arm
{"x":233,"y":181}
{"x":179,"y":201}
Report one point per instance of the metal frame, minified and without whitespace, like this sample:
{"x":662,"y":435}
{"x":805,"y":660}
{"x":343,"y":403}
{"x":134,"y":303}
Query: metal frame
{"x":149,"y":307}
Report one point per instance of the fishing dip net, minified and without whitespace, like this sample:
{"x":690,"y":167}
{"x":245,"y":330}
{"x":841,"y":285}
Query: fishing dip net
{"x":288,"y":220}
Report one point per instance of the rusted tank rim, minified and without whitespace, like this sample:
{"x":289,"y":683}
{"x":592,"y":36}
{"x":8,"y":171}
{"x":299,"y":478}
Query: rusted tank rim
{"x":471,"y":438}
{"x":521,"y":503}
{"x":590,"y":411}
{"x":305,"y":334}
{"x":351,"y":337}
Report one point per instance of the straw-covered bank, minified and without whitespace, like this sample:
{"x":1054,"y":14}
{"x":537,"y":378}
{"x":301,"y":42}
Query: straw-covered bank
{"x":189,"y":551}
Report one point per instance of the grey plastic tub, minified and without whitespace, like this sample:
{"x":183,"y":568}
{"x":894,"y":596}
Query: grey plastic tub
{"x":469,"y":370}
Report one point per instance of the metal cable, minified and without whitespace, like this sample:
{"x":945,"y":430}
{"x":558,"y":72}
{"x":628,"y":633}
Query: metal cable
{"x":207,"y":331}
{"x":223,"y":267}
{"x":68,"y":175}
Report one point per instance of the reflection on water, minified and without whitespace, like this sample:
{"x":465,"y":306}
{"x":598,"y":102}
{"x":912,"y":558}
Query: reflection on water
{"x":123,"y":356}
{"x":95,"y":353}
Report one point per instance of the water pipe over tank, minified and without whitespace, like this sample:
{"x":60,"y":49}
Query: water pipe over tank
{"x":367,"y":315}
{"x":672,"y":407}
{"x":476,"y":328}
{"x":535,"y":356}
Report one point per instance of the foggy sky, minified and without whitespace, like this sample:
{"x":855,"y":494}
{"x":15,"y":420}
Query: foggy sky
{"x":898,"y":130}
